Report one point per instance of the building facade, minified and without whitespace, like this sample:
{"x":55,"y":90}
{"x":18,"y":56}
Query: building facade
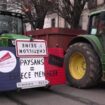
{"x":53,"y":20}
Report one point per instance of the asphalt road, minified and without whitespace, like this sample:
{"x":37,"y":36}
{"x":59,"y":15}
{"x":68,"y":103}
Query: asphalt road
{"x":57,"y":95}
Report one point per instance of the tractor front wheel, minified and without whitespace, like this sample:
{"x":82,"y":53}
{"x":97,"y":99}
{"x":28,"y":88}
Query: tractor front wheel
{"x":82,"y":65}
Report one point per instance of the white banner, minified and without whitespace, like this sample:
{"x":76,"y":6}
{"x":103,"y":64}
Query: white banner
{"x":27,"y":48}
{"x":32,"y":69}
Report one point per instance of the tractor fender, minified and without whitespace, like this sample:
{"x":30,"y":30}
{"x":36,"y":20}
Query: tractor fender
{"x":96,"y":44}
{"x":93,"y":40}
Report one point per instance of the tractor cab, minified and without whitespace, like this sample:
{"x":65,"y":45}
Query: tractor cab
{"x":96,"y":23}
{"x":11,"y":27}
{"x":11,"y":23}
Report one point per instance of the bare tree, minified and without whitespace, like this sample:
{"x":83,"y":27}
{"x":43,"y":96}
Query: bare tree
{"x":41,"y":8}
{"x":70,"y":10}
{"x":35,"y":10}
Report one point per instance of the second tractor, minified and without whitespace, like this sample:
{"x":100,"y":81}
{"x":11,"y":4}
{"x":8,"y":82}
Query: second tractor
{"x":85,"y":57}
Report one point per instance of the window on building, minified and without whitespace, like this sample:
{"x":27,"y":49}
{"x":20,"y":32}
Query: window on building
{"x":66,"y":25}
{"x":92,"y":4}
{"x":53,"y":22}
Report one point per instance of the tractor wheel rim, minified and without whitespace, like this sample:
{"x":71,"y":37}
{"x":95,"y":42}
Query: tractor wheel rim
{"x":77,"y":65}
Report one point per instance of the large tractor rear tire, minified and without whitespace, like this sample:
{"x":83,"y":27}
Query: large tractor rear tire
{"x":83,"y":67}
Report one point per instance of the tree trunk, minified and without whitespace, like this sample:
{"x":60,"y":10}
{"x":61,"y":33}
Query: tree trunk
{"x":76,"y":19}
{"x":75,"y":22}
{"x":40,"y":22}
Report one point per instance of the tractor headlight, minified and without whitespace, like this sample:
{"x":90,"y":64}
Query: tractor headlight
{"x":13,"y":42}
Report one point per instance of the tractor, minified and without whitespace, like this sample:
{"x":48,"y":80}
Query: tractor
{"x":26,"y":62}
{"x":85,"y":57}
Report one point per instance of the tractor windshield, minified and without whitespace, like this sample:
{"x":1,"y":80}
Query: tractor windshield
{"x":10,"y":24}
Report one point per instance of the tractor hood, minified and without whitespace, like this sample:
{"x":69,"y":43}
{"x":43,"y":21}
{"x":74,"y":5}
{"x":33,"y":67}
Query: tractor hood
{"x":14,"y":36}
{"x":6,"y":40}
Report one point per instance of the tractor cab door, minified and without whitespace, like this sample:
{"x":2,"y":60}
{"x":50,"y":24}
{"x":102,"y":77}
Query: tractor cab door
{"x":97,"y":23}
{"x":97,"y":26}
{"x":93,"y":24}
